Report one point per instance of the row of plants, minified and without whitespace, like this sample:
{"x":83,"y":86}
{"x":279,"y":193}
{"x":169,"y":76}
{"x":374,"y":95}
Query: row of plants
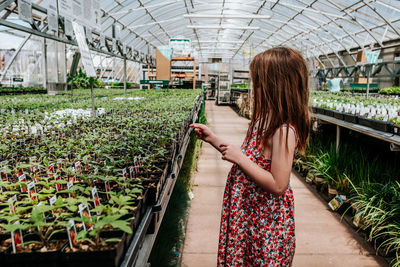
{"x":240,"y":86}
{"x":359,"y":182}
{"x":72,"y":183}
{"x":390,"y":90}
{"x":16,"y":90}
{"x":121,"y":84}
{"x":381,"y":113}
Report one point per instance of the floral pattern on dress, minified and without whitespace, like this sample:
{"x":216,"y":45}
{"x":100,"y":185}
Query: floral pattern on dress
{"x":257,"y":228}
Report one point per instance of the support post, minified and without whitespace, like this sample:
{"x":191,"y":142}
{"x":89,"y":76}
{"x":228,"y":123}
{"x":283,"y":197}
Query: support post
{"x":124,"y":75}
{"x":194,"y":73}
{"x":369,"y":67}
{"x":44,"y":58}
{"x":92,"y":96}
{"x":337,"y":138}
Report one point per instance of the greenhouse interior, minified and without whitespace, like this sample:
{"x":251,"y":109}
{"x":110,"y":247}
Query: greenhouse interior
{"x":200,"y":133}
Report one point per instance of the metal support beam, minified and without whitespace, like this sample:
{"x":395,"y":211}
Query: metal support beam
{"x":125,"y":76}
{"x":44,"y":58}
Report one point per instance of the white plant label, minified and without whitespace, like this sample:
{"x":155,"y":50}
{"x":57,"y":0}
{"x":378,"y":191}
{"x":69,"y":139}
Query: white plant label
{"x":32,"y":190}
{"x":78,"y":167}
{"x":70,"y":184}
{"x":52,"y":200}
{"x":11,"y":205}
{"x":132,"y":173}
{"x":58,"y":186}
{"x":84,"y":212}
{"x":71,"y":230}
{"x":17,"y":239}
{"x":96,"y":200}
{"x":22,"y":178}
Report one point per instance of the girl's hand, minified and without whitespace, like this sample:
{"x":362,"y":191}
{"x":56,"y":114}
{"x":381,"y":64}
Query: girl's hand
{"x":203,"y":132}
{"x":231,"y":153}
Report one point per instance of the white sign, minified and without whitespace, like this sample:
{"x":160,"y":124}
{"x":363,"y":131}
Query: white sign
{"x":84,"y":49}
{"x":52,"y":18}
{"x":68,"y":28}
{"x":180,"y":46}
{"x":25,"y":10}
{"x":85,"y":12}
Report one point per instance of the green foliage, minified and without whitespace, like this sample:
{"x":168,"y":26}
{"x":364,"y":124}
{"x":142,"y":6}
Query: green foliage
{"x":81,"y":80}
{"x":390,"y":90}
{"x":107,"y":143}
{"x":368,"y":176}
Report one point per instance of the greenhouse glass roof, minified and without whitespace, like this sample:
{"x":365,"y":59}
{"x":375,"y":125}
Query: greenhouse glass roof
{"x":232,"y":28}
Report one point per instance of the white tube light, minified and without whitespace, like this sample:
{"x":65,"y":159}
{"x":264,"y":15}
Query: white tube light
{"x":222,"y":42}
{"x":221,"y":27}
{"x":216,"y":16}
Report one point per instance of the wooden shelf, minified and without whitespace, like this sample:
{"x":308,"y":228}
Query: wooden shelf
{"x":182,"y":59}
{"x":182,"y":75}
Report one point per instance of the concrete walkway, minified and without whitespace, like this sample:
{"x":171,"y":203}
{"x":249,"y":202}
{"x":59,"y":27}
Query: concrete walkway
{"x":322,"y":240}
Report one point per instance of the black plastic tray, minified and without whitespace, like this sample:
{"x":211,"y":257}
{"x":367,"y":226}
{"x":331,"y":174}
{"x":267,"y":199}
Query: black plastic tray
{"x":350,"y":118}
{"x":376,"y":124}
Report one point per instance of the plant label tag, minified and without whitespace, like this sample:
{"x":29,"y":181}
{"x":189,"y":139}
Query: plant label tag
{"x":70,"y":184}
{"x":17,"y":239}
{"x":58,"y":186}
{"x":3,"y":174}
{"x":22,"y":178}
{"x":71,"y":178}
{"x":11,"y":204}
{"x":136,"y":164}
{"x":96,"y":200}
{"x":50,"y":170}
{"x":335,"y":203}
{"x":31,"y":161}
{"x":78,"y":167}
{"x":32,"y":190}
{"x":86,"y":165}
{"x":71,"y":230}
{"x":95,"y":172}
{"x":84,"y":212}
{"x":52,"y":200}
{"x":132,"y":173}
{"x":43,"y":216}
{"x":125,"y":174}
{"x":108,"y":189}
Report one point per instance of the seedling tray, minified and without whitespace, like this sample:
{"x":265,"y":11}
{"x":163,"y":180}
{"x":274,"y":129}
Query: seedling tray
{"x":33,"y":259}
{"x":350,"y":118}
{"x":96,"y":258}
{"x":328,"y":112}
{"x":338,"y":115}
{"x":375,"y":124}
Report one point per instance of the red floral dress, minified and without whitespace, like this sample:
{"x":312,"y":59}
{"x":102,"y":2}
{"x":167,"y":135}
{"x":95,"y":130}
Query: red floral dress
{"x":257,"y":228}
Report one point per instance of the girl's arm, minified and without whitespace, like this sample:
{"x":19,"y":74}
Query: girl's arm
{"x":277,"y":180}
{"x":205,"y":134}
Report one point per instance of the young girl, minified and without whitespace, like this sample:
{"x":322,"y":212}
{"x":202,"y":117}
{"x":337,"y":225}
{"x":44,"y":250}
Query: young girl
{"x":257,"y":222}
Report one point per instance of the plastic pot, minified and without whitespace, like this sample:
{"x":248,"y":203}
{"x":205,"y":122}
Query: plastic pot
{"x":32,"y":259}
{"x":97,"y":258}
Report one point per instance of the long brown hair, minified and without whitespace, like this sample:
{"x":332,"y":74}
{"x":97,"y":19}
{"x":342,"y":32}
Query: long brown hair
{"x":280,"y":82}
